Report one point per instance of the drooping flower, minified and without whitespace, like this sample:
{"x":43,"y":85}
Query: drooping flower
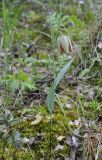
{"x":64,"y":44}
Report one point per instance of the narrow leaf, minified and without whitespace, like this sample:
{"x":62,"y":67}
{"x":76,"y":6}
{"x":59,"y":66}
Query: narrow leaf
{"x":51,"y":92}
{"x":62,"y":73}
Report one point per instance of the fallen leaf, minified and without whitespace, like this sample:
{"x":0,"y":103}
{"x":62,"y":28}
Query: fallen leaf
{"x":25,"y":140}
{"x":60,"y":138}
{"x":37,"y":120}
{"x":32,"y":141}
{"x":68,"y":105}
{"x":75,"y":123}
{"x":99,"y":45}
{"x":59,"y":147}
{"x":72,"y":141}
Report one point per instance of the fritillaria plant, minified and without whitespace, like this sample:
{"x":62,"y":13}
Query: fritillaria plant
{"x":65,"y":46}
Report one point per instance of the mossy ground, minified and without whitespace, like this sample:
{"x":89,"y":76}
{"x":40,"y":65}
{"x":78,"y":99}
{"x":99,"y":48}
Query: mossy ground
{"x":42,"y":149}
{"x":60,"y":127}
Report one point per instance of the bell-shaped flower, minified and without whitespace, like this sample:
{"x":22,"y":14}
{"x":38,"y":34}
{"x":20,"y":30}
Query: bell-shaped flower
{"x":65,"y":44}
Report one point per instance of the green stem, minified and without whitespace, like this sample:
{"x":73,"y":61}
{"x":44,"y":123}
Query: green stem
{"x":50,"y":136}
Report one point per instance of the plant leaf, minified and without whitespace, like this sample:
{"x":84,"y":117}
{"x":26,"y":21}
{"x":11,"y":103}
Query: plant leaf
{"x":62,"y":73}
{"x":51,"y":92}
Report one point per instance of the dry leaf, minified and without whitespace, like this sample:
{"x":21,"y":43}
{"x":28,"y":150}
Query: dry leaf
{"x":59,"y":147}
{"x":68,"y":105}
{"x":75,"y":123}
{"x":60,"y":138}
{"x":37,"y":120}
{"x":99,"y":45}
{"x":25,"y":140}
